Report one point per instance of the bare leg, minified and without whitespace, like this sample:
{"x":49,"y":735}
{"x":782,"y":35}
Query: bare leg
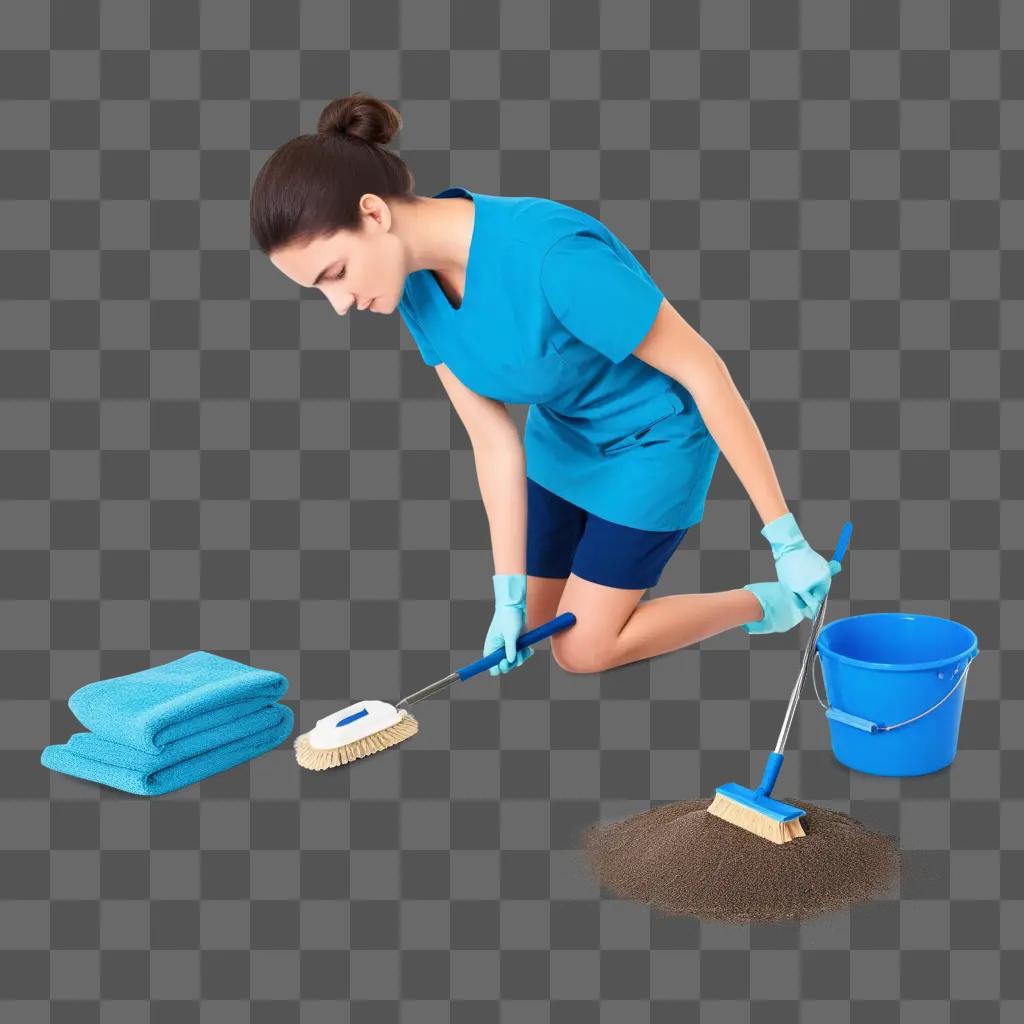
{"x":542,"y":596}
{"x":668,"y":623}
{"x":614,"y":627}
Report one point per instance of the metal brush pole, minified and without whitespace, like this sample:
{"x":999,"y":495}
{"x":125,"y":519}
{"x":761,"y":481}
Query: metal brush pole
{"x":774,"y":762}
{"x":428,"y":691}
{"x":770,"y":771}
{"x":794,"y":699}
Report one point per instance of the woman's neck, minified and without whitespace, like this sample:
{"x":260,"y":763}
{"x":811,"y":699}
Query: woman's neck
{"x":436,"y":234}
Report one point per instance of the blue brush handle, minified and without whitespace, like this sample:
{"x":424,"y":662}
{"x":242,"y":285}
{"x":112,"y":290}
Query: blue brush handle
{"x":544,"y":630}
{"x":843,"y":544}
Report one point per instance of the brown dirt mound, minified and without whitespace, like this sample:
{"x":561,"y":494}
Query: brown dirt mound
{"x":682,"y":860}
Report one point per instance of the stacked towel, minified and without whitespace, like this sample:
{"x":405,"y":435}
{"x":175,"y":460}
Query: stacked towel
{"x":169,"y":726}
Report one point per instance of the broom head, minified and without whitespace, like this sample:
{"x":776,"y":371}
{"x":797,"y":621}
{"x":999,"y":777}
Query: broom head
{"x":354,"y":732}
{"x":750,"y":810}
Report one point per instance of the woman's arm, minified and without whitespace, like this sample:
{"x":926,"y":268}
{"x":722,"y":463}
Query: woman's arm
{"x":500,"y":469}
{"x":501,"y":473}
{"x":676,"y":349}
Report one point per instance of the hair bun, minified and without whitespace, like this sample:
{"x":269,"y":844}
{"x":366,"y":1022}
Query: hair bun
{"x":360,"y":116}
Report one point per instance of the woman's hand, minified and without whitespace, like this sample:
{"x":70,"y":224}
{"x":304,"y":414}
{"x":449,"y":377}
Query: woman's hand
{"x":797,"y":565}
{"x":780,"y":609}
{"x":508,"y":622}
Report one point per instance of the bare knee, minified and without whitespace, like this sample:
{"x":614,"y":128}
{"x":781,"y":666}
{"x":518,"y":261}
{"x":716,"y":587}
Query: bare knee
{"x":573,"y":656}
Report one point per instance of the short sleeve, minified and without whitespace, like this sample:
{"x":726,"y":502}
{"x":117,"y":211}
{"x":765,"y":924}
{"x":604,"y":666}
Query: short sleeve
{"x":430,"y":356}
{"x":597,"y":296}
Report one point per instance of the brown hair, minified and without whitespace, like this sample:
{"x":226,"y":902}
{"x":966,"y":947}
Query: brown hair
{"x":312,"y":184}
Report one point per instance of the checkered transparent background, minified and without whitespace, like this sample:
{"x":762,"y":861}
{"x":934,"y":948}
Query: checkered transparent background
{"x":196,"y":455}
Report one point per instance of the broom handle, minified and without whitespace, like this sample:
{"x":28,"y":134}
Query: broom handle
{"x":531,"y":636}
{"x":771,"y":769}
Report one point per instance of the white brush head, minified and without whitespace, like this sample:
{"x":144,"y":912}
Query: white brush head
{"x":352,"y":723}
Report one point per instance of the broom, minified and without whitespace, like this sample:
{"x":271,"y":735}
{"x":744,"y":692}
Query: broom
{"x":754,"y":809}
{"x":373,"y":725}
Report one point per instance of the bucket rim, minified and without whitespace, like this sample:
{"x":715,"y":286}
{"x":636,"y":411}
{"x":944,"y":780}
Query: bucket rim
{"x":971,"y":652}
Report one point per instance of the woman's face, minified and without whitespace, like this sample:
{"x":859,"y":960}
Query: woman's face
{"x":364,"y":269}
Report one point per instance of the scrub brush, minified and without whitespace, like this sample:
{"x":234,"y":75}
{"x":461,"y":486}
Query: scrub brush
{"x":754,"y":809}
{"x":374,"y":725}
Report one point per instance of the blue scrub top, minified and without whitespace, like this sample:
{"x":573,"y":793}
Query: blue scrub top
{"x":553,"y":306}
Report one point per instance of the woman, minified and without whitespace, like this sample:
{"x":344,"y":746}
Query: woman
{"x":521,"y":299}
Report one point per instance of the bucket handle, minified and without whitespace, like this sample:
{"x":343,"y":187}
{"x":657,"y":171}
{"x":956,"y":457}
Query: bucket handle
{"x":866,"y":724}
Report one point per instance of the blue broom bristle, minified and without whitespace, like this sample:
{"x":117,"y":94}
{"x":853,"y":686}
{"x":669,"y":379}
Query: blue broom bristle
{"x":774,"y":809}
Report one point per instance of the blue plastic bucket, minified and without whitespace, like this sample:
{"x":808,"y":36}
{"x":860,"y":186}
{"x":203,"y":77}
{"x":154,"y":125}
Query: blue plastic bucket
{"x":895,"y":687}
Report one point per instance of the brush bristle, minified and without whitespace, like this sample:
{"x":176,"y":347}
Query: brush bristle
{"x":749,"y":819}
{"x":317,"y":759}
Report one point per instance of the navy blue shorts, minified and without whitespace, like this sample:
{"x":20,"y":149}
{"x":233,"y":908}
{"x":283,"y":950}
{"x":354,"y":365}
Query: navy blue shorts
{"x":562,"y":537}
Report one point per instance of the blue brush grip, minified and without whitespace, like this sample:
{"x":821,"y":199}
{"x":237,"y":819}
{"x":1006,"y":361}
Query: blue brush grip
{"x":771,"y":772}
{"x":543,"y":631}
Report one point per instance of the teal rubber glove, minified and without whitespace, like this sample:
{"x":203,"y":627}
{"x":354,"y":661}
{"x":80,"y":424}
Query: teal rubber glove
{"x":797,"y":565}
{"x":781,"y":609}
{"x":508,"y":623}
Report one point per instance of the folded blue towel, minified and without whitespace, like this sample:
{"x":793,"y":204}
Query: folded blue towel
{"x":113,"y":764}
{"x":155,"y":706}
{"x":171,"y":725}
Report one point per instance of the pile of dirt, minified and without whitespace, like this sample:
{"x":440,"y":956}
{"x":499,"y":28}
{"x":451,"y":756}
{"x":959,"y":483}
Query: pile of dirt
{"x":682,"y":860}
